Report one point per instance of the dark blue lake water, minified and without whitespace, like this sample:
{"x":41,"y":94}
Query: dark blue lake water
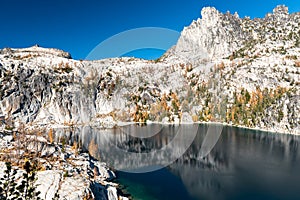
{"x":188,"y":163}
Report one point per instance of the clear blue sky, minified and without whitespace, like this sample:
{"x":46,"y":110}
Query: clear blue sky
{"x":77,"y":26}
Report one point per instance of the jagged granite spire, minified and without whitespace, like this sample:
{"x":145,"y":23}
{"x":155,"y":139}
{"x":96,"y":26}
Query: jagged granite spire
{"x":215,"y":35}
{"x":281,"y":10}
{"x":218,"y":35}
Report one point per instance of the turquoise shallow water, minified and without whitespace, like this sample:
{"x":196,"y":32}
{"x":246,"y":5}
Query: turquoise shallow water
{"x":146,"y":186}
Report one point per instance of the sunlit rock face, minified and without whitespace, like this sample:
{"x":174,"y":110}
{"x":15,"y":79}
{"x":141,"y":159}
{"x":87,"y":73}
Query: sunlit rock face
{"x":223,"y":68}
{"x":214,"y":36}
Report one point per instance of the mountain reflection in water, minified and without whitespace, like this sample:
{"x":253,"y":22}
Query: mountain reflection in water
{"x":244,"y":164}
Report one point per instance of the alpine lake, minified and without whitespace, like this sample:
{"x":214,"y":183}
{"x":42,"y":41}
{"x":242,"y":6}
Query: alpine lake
{"x":195,"y":161}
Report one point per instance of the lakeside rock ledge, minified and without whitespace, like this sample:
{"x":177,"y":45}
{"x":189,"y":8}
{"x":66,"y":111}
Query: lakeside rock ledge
{"x":63,"y":171}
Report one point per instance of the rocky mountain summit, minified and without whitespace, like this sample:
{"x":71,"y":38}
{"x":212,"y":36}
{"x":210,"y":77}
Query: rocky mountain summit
{"x":219,"y":35}
{"x":240,"y":71}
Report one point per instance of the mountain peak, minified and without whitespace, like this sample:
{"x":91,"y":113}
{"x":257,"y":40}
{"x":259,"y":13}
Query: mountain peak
{"x":218,"y":35}
{"x":210,"y":15}
{"x":36,"y":49}
{"x":214,"y":35}
{"x":227,"y":69}
{"x":281,"y":10}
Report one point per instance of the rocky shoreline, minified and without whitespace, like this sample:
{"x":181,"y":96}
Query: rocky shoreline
{"x":63,"y":171}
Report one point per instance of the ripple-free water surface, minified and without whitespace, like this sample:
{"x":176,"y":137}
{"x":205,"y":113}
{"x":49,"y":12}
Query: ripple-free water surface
{"x":244,"y":164}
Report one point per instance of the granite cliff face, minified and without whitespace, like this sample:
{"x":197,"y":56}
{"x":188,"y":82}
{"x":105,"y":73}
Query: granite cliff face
{"x":223,"y":68}
{"x":215,"y":35}
{"x":219,"y":35}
